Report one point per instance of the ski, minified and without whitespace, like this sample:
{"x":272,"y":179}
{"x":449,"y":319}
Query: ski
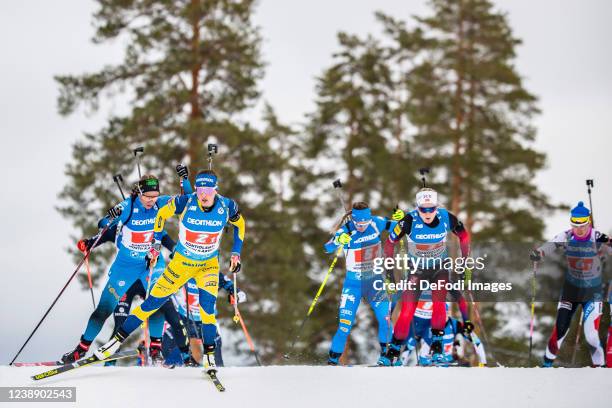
{"x":84,"y":362}
{"x":38,"y":364}
{"x":213,"y":377}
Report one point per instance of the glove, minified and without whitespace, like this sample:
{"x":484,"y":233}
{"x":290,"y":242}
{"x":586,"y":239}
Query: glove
{"x":536,"y":255}
{"x":242,"y":297}
{"x":235,"y":264}
{"x":468,"y":328}
{"x":343,"y":239}
{"x":182,"y":171}
{"x":114,"y":212}
{"x":398,"y":215}
{"x":468,"y":274}
{"x":603,"y":238}
{"x":84,"y":245}
{"x":389,"y":276}
{"x":154,"y":252}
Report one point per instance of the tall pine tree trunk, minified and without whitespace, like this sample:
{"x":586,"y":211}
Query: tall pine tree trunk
{"x":459,"y":112}
{"x":196,"y":112}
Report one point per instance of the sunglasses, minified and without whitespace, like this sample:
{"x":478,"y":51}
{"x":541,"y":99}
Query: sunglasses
{"x":428,"y":210}
{"x":150,"y":196}
{"x":205,"y":191}
{"x":579,"y":221}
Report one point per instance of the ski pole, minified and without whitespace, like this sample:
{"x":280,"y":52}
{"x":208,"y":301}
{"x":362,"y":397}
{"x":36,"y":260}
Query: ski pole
{"x":533,"y":296}
{"x":479,"y":321}
{"x":590,"y":185}
{"x":85,"y":257}
{"x":238,"y":319}
{"x":337,"y":187}
{"x":93,"y":301}
{"x":137,"y":150}
{"x":212,"y":150}
{"x":609,"y":342}
{"x":145,"y":360}
{"x":423,"y":171}
{"x":117,"y":178}
{"x":315,"y":300}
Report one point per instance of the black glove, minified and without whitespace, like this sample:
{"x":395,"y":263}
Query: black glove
{"x":468,"y":328}
{"x":182,"y":171}
{"x":535,"y":256}
{"x":603,"y":238}
{"x":114,"y":212}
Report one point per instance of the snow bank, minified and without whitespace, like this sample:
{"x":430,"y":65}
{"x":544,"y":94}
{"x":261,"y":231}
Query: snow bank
{"x":316,"y":387}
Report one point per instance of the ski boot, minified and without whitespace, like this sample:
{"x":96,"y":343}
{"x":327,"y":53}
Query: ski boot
{"x":424,"y":361}
{"x":209,"y":359}
{"x":189,"y":361}
{"x":78,"y":353}
{"x":334,"y":358}
{"x":383,"y":351}
{"x":448,"y":359}
{"x":155,"y":352}
{"x":437,"y":352}
{"x":391,"y":357}
{"x":547,"y":363}
{"x":110,"y":347}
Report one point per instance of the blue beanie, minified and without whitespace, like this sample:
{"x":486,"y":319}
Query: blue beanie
{"x":580,"y":211}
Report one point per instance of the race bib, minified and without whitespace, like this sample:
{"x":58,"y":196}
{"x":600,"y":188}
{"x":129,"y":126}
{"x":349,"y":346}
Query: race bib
{"x":138,"y":241}
{"x":201,"y":243}
{"x":424,"y":309}
{"x":362,"y":259}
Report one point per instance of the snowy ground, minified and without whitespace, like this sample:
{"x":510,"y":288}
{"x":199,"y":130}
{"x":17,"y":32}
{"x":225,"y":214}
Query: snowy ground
{"x":316,"y":387}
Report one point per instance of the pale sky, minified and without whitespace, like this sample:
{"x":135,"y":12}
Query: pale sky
{"x":565,"y":59}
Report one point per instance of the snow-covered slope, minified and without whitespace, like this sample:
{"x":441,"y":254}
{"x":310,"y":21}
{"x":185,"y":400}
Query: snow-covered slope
{"x":316,"y":387}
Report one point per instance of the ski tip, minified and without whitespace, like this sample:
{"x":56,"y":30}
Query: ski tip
{"x":44,"y":375}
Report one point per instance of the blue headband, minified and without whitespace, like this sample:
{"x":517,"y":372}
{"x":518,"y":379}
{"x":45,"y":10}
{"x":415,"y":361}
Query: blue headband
{"x":361,"y":215}
{"x":206,"y":180}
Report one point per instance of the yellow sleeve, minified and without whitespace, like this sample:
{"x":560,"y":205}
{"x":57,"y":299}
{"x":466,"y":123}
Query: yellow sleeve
{"x":163,"y":214}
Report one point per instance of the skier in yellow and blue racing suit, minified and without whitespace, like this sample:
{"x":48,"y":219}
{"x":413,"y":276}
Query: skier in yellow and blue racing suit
{"x":203,"y":215}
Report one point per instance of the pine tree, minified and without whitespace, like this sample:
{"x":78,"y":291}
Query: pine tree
{"x":474,"y":117}
{"x":190,"y":68}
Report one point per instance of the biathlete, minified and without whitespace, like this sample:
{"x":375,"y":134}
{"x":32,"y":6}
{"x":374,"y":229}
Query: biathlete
{"x":203,"y":216}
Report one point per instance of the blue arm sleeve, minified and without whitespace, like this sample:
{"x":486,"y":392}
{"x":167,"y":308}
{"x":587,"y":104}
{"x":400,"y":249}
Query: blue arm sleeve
{"x":187,"y":189}
{"x":237,"y":245}
{"x":384,"y":224}
{"x":181,"y":202}
{"x":233,"y":208}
